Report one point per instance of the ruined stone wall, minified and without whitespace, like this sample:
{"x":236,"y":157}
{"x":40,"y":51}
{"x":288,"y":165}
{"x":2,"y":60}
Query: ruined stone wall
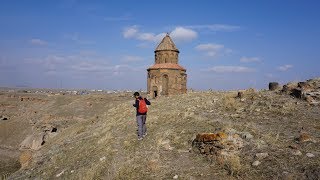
{"x":166,"y":82}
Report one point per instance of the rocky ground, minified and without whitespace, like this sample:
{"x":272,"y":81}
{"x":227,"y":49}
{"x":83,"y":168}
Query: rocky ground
{"x":199,"y":135}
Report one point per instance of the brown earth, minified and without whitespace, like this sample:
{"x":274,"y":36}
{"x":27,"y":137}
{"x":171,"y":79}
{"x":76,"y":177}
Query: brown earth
{"x":94,"y":136}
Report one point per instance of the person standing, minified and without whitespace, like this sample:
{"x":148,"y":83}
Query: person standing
{"x":141,"y":114}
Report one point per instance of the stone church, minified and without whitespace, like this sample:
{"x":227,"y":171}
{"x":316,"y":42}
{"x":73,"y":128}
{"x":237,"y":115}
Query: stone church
{"x":166,"y":76}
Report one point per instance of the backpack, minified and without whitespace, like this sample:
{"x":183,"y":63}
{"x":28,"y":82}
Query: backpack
{"x":142,"y":106}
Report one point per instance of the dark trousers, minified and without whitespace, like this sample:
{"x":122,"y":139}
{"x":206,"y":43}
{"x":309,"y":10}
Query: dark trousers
{"x":141,"y":122}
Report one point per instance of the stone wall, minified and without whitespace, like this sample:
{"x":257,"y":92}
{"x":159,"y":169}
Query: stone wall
{"x":166,"y":82}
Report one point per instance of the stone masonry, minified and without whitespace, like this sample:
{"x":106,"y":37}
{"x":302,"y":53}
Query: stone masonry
{"x":166,"y":76}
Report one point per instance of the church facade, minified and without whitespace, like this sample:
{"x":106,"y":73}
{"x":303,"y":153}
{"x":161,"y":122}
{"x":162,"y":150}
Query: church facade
{"x":166,"y":76}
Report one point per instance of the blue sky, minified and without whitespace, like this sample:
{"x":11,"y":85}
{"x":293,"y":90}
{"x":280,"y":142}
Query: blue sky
{"x":109,"y":44}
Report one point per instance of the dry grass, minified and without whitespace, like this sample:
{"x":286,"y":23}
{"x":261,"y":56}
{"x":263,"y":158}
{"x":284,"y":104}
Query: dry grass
{"x":97,"y":139}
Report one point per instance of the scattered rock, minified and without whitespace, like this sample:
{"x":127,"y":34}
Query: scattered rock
{"x":315,"y":103}
{"x":167,"y":147}
{"x":304,"y":85}
{"x":309,"y":99}
{"x":260,"y":144}
{"x":221,"y":147}
{"x":48,"y":128}
{"x":289,"y":87}
{"x":103,"y":158}
{"x":293,"y":146}
{"x":262,"y":155}
{"x":58,"y":175}
{"x":296,"y":152}
{"x":250,"y":90}
{"x":246,"y":135}
{"x":240,"y":94}
{"x":273,"y":86}
{"x":304,"y":137}
{"x":256,"y":163}
{"x":165,"y":144}
{"x":309,"y":90}
{"x":297,"y":92}
{"x":5,"y":118}
{"x":208,"y":137}
{"x":310,"y":155}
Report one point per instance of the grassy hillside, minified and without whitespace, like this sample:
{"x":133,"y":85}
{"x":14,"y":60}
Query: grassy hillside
{"x":96,"y":137}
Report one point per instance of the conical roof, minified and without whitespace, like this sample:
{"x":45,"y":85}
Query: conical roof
{"x":167,"y":44}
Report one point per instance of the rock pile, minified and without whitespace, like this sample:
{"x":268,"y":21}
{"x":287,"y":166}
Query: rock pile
{"x":217,"y":143}
{"x":309,"y":90}
{"x":220,"y":147}
{"x":34,"y":142}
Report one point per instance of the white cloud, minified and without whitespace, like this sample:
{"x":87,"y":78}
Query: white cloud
{"x":178,"y":34}
{"x":130,"y":32}
{"x":231,"y":69}
{"x":211,"y":49}
{"x":51,"y":62}
{"x":129,"y":58}
{"x":85,"y":64}
{"x":150,"y":37}
{"x":216,"y":27}
{"x":250,"y":59}
{"x":159,"y":37}
{"x":146,"y":37}
{"x":38,"y":42}
{"x":285,"y":67}
{"x":183,"y":34}
{"x":133,"y":32}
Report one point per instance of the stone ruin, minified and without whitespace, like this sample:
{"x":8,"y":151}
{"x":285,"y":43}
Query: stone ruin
{"x":222,"y":148}
{"x":166,"y":76}
{"x":308,"y":90}
{"x":218,"y":144}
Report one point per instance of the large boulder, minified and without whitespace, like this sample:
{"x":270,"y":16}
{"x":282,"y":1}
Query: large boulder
{"x":289,"y":87}
{"x":273,"y":86}
{"x":297,"y":92}
{"x":314,"y":83}
{"x":217,"y":143}
{"x":33,"y":142}
{"x":221,"y":147}
{"x":304,"y":86}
